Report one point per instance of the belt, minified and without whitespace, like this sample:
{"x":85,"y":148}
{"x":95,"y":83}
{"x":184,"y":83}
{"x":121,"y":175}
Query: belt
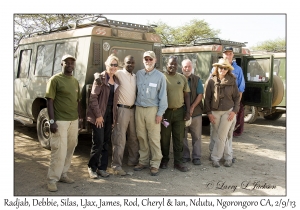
{"x":125,"y":106}
{"x":173,"y":109}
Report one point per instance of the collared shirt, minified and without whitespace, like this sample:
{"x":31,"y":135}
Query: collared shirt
{"x":127,"y":87}
{"x":151,"y":90}
{"x":238,"y":73}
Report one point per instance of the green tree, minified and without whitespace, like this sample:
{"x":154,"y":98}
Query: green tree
{"x":271,"y":45}
{"x":26,"y":24}
{"x":186,"y":33}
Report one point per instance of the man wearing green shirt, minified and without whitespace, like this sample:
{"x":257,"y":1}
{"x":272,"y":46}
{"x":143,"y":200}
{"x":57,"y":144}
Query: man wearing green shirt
{"x":63,"y":96}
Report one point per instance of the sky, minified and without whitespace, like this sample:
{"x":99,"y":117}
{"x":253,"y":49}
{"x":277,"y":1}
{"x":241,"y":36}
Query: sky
{"x":252,"y":28}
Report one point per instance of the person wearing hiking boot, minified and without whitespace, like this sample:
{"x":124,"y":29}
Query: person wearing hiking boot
{"x":177,"y":113}
{"x":196,"y":110}
{"x":63,"y":97}
{"x":237,"y":71}
{"x":222,"y":101}
{"x":126,"y":119}
{"x":102,"y":115}
{"x":151,"y":103}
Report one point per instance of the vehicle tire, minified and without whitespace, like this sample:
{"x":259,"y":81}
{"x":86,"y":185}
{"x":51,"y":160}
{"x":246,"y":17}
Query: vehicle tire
{"x":273,"y":116}
{"x":43,"y":128}
{"x":278,"y":90}
{"x":251,"y":114}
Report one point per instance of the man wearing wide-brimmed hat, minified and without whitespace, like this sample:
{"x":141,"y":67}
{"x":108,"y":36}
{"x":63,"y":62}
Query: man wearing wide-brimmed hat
{"x":221,"y":102}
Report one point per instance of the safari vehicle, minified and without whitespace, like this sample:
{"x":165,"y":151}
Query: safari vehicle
{"x":265,"y":90}
{"x":264,"y":73}
{"x":203,"y":53}
{"x":90,"y":40}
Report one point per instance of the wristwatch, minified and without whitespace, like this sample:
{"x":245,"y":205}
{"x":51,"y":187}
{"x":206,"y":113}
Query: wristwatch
{"x":51,"y":121}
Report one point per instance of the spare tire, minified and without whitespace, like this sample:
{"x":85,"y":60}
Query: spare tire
{"x":278,"y":90}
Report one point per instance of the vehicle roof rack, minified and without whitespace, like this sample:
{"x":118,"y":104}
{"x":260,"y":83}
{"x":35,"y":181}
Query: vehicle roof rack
{"x":207,"y":41}
{"x":93,"y":21}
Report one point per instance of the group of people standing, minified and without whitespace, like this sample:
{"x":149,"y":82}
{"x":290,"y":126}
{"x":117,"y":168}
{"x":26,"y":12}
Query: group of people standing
{"x":142,"y":111}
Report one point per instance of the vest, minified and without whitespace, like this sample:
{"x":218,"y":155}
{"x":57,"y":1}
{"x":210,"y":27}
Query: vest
{"x":194,"y":83}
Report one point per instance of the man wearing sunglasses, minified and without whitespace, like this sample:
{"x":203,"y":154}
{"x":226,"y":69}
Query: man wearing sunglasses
{"x":151,"y":103}
{"x":126,"y":119}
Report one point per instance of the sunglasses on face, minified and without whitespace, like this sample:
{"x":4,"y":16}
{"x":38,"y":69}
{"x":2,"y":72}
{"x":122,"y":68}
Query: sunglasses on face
{"x":221,"y":67}
{"x":114,"y":65}
{"x":148,"y":59}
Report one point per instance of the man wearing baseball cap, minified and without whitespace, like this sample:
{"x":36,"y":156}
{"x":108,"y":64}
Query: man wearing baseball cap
{"x":240,"y":81}
{"x":151,"y":103}
{"x":63,"y":96}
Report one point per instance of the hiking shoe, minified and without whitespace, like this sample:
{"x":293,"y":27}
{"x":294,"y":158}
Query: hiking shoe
{"x":163,"y":165}
{"x":120,"y":172}
{"x":102,"y":173}
{"x":216,"y":164}
{"x":196,"y":162}
{"x":52,"y":186}
{"x":66,"y":179}
{"x":181,"y":167}
{"x":93,"y":174}
{"x":228,"y":163}
{"x":153,"y":171}
{"x":185,"y":160}
{"x":139,"y":167}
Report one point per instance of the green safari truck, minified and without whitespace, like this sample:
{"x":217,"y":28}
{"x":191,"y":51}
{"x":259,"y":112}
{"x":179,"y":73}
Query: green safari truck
{"x":90,"y":41}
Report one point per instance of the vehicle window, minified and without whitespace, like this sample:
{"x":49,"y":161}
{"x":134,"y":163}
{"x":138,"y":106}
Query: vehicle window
{"x":276,"y":66}
{"x":44,"y":61}
{"x":62,"y":49}
{"x":24,"y":64}
{"x":258,"y":70}
{"x":121,"y":53}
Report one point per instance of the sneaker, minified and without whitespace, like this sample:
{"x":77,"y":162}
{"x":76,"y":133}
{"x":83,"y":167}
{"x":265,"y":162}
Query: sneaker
{"x":196,"y":162}
{"x":120,"y":172}
{"x":102,"y":173}
{"x":93,"y":174}
{"x":228,"y":163}
{"x":181,"y":167}
{"x":52,"y":186}
{"x":139,"y":167}
{"x":153,"y":171}
{"x":216,"y":164}
{"x":185,"y":160}
{"x":66,"y":179}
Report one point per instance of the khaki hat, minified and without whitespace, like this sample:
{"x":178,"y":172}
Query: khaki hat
{"x":150,"y":54}
{"x":68,"y":56}
{"x":224,"y":63}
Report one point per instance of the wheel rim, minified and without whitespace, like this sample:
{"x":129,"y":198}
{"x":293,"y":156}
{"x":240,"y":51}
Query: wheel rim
{"x":45,"y":127}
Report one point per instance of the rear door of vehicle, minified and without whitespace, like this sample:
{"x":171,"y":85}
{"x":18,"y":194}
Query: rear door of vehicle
{"x":121,"y":49}
{"x":258,"y":74}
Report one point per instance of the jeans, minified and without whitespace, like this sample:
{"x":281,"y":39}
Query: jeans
{"x":100,"y":140}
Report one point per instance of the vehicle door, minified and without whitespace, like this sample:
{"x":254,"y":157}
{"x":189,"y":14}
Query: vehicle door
{"x":22,"y":81}
{"x":258,"y":74}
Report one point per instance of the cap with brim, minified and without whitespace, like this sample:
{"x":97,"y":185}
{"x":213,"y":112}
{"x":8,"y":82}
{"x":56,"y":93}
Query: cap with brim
{"x":68,"y":56}
{"x":226,"y":49}
{"x":224,"y":63}
{"x":150,"y":54}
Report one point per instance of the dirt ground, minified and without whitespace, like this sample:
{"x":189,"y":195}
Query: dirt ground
{"x":260,"y":168}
